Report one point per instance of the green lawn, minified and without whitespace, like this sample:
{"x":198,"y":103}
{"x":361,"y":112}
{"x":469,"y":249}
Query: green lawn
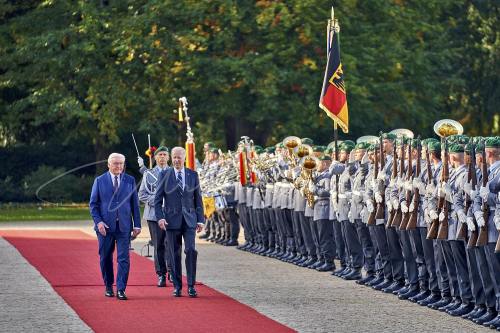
{"x":34,"y":213}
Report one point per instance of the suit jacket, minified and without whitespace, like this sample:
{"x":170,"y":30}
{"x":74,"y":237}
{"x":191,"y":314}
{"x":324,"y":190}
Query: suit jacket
{"x":176,"y":206}
{"x":112,"y":208}
{"x":147,"y":191}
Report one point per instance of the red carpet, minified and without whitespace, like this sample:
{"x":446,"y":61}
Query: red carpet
{"x":70,"y":263}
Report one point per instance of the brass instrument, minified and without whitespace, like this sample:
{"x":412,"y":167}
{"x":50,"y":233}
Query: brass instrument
{"x":303,"y":150}
{"x":291,"y":142}
{"x":443,"y":129}
{"x":309,"y":164}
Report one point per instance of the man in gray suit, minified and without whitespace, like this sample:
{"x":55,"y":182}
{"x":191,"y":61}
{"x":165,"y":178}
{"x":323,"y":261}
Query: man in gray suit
{"x":147,"y":193}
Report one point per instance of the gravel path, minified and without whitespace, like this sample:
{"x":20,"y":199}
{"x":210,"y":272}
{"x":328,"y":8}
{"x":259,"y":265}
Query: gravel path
{"x":302,"y":299}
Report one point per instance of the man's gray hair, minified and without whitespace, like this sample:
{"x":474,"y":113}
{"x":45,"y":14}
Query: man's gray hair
{"x":180,"y":150}
{"x":116,"y":155}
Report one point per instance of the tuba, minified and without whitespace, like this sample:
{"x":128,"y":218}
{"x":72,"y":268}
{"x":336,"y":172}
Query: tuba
{"x":309,"y":164}
{"x":291,"y":142}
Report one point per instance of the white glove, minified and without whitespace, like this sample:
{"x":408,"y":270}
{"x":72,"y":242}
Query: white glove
{"x":496,"y":219}
{"x":400,"y":182}
{"x":462,"y":218}
{"x":473,"y":195}
{"x":419,"y":184}
{"x":404,"y":207}
{"x":395,"y":204}
{"x":381,"y":175}
{"x":364,"y":159}
{"x":374,"y":184}
{"x":430,"y":189}
{"x":369,"y":206}
{"x":312,"y":187}
{"x":140,"y":161}
{"x":484,"y":192}
{"x":467,"y":188}
{"x":433,"y":214}
{"x":389,"y":205}
{"x":362,"y":214}
{"x":351,"y":156}
{"x":441,"y":217}
{"x":479,"y":218}
{"x":378,"y":197}
{"x":427,"y":218}
{"x":349,"y":216}
{"x":470,"y":223}
{"x":392,"y":183}
{"x":408,"y":185}
{"x":412,"y":207}
{"x":446,"y":189}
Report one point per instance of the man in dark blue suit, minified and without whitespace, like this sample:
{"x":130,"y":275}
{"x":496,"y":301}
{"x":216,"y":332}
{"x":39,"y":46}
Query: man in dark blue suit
{"x":179,"y":211}
{"x":114,"y":206}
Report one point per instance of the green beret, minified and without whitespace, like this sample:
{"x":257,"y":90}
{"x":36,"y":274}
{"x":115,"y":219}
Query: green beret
{"x":280,"y":145}
{"x":414,"y":143}
{"x":434,"y":146}
{"x":329,"y":150}
{"x":455,"y":148}
{"x":307,"y":141}
{"x":318,"y":149}
{"x":362,"y":145}
{"x":372,"y":147}
{"x":257,"y":147}
{"x":493,"y":142}
{"x":477,"y":139}
{"x":347,"y":146}
{"x":214,"y":150}
{"x":160,"y":149}
{"x":468,"y":148}
{"x":210,"y":144}
{"x":389,"y":136}
{"x":325,"y":157}
{"x":479,"y":147}
{"x":402,"y":140}
{"x":270,"y":150}
{"x":459,"y":139}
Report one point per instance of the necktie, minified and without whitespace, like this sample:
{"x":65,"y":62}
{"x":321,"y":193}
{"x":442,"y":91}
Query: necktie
{"x":179,"y":182}
{"x":115,"y":184}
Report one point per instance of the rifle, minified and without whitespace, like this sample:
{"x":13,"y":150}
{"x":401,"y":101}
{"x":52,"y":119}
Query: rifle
{"x":381,"y":206}
{"x":371,"y":218}
{"x":471,"y":173}
{"x":394,"y":177}
{"x":396,"y":221}
{"x":412,"y":223}
{"x":444,"y":204}
{"x":409,"y":178}
{"x":482,"y":239}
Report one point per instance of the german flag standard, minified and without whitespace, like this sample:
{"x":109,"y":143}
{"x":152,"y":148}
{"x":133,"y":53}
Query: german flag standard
{"x":333,"y":98}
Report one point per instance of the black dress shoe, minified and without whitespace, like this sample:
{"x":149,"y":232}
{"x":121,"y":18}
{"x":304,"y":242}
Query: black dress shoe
{"x":397,"y":285}
{"x":494,"y":323}
{"x":410,"y":293}
{"x":489,"y":315}
{"x":109,"y":292}
{"x":231,"y":243}
{"x":177,"y":292}
{"x":444,"y":301}
{"x":384,"y":284}
{"x":204,"y":236}
{"x":120,"y":294}
{"x":192,"y":292}
{"x":404,"y":290}
{"x":479,"y":311}
{"x":375,"y":281}
{"x":162,"y":281}
{"x":461,"y":310}
{"x":452,"y":306}
{"x":420,"y":296}
{"x":365,"y":280}
{"x":327,"y":266}
{"x":169,"y":277}
{"x":355,"y":274}
{"x":339,"y":271}
{"x":433,"y":298}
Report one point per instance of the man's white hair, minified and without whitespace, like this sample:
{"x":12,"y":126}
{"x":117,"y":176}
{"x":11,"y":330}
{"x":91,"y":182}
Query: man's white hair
{"x":116,"y":155}
{"x":180,"y":150}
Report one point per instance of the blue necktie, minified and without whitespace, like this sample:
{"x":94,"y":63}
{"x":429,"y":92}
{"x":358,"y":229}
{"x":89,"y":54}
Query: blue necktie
{"x":115,"y":184}
{"x":179,"y":182}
